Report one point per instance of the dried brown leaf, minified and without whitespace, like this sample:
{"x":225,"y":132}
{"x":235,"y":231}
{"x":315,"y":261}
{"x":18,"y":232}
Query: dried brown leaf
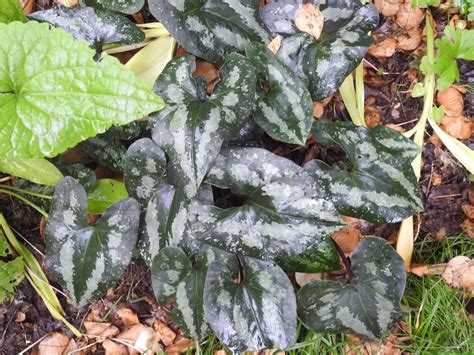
{"x":452,"y":101}
{"x":310,"y":20}
{"x":318,"y":109}
{"x":167,"y":335}
{"x":411,"y":40}
{"x":180,"y":345}
{"x":385,"y":48}
{"x":468,"y":211}
{"x":303,"y":278}
{"x":209,"y":72}
{"x":409,"y":18}
{"x":54,"y":344}
{"x":147,"y":341}
{"x":460,"y":273}
{"x":275,"y":44}
{"x":459,"y":127}
{"x":113,"y":348}
{"x":388,"y":7}
{"x":348,"y":237}
{"x":128,"y":316}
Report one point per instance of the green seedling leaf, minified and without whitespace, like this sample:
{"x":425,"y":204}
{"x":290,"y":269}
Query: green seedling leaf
{"x":179,"y":279}
{"x":287,"y":217}
{"x":285,"y":111}
{"x":377,"y":183}
{"x":438,"y":113}
{"x":125,"y":6}
{"x":37,"y":170}
{"x":211,"y":29}
{"x":98,"y":27}
{"x":419,"y":90}
{"x":11,"y":272}
{"x":323,"y":64}
{"x":87,"y":260}
{"x":258,"y":313}
{"x":105,"y":193}
{"x":193,"y":126}
{"x":11,"y":11}
{"x":53,"y":94}
{"x":369,"y":306}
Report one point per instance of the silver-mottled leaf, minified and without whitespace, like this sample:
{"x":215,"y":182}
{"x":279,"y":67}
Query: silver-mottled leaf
{"x":380,"y":185}
{"x":286,"y":218}
{"x":124,"y":6}
{"x":106,"y":150}
{"x":369,"y":306}
{"x":285,"y":110}
{"x":211,"y":29}
{"x":259,"y":313}
{"x":86,"y":260}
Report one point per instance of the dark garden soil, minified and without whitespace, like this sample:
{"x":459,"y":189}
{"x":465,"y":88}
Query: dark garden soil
{"x":444,"y":185}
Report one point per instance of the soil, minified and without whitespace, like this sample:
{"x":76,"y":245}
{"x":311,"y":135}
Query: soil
{"x":444,"y":185}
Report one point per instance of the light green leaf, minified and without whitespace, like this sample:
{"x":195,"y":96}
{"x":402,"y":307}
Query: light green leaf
{"x":369,"y":306}
{"x":105,"y":193}
{"x":11,"y":272}
{"x":376,"y":182}
{"x":53,"y":94}
{"x":419,"y":90}
{"x":258,"y":313}
{"x":211,"y":29}
{"x":87,"y":260}
{"x":285,"y":109}
{"x":11,"y":11}
{"x":37,"y":170}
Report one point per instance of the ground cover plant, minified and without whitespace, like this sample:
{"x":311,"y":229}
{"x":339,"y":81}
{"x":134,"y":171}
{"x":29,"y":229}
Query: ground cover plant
{"x":194,"y":189}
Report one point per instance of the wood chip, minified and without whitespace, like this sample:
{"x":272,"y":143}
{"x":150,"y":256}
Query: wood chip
{"x":310,"y":20}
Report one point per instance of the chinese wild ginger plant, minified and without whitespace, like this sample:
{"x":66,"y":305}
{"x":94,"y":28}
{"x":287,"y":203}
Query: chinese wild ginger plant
{"x":218,"y":219}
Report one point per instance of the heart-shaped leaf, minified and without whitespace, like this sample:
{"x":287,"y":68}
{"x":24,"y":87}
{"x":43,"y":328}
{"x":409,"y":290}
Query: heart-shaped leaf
{"x":98,"y":27}
{"x":192,"y":127}
{"x":51,"y":99}
{"x":125,"y":6}
{"x":105,"y":193}
{"x":211,"y":29}
{"x":177,"y":279}
{"x":285,"y":110}
{"x":323,"y":64}
{"x":87,"y":260}
{"x":259,"y":313}
{"x":380,"y":185}
{"x":286,"y":218}
{"x":11,"y":11}
{"x":369,"y":306}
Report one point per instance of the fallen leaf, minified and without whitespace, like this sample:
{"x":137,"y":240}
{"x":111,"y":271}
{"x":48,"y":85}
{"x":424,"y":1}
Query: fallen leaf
{"x":310,"y":20}
{"x":460,"y":273}
{"x":436,"y":179}
{"x":410,"y":41}
{"x":113,"y":348}
{"x":220,"y":352}
{"x":147,"y":341}
{"x":395,"y":127}
{"x":100,"y":330}
{"x":28,"y":6}
{"x":303,"y":278}
{"x":318,"y":109}
{"x":180,"y":345}
{"x":384,"y":48}
{"x":452,"y":101}
{"x":127,"y":316}
{"x":425,"y":269}
{"x":372,"y":116}
{"x":348,"y":237}
{"x":274,"y":45}
{"x":54,"y":344}
{"x":468,"y":228}
{"x":459,"y":127}
{"x":409,"y":18}
{"x":468,"y":211}
{"x":359,"y":346}
{"x":67,"y":3}
{"x":71,"y":348}
{"x":20,"y":317}
{"x":167,"y":335}
{"x":131,"y":334}
{"x":208,"y":72}
{"x":435,"y":140}
{"x":388,"y":7}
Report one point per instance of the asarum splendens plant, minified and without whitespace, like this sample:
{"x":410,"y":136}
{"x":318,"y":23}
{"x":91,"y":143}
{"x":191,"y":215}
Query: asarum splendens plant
{"x":224,"y":267}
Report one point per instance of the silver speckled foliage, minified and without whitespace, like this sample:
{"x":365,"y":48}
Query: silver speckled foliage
{"x":369,"y":306}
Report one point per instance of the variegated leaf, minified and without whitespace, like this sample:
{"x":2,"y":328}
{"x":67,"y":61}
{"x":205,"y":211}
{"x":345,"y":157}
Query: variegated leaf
{"x":369,"y":306}
{"x":258,"y":313}
{"x":124,"y":6}
{"x":192,"y":127}
{"x":98,"y":27}
{"x":86,"y":260}
{"x":285,"y":110}
{"x":106,"y":151}
{"x":84,"y":175}
{"x":379,"y":185}
{"x":325,"y":63}
{"x":286,"y":218}
{"x":211,"y":29}
{"x":175,"y":278}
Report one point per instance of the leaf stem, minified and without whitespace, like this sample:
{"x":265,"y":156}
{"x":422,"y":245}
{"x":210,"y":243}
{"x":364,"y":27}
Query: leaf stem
{"x":35,"y":194}
{"x":345,"y":261}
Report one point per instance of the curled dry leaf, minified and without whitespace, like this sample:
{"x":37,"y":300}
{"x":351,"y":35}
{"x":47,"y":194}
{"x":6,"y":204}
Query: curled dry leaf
{"x":425,"y":269}
{"x":303,"y":278}
{"x":459,"y":127}
{"x":180,"y":345}
{"x":28,"y":6}
{"x":113,"y":348}
{"x":147,"y":341}
{"x":468,"y":228}
{"x":409,"y":18}
{"x":54,"y":344}
{"x":348,"y":237}
{"x":372,"y":116}
{"x":208,"y":72}
{"x":167,"y":335}
{"x":318,"y":109}
{"x":131,"y":334}
{"x":127,"y":316}
{"x":468,"y":211}
{"x":310,"y":20}
{"x":388,"y":7}
{"x":411,"y":40}
{"x":460,"y":273}
{"x":452,"y":101}
{"x":385,"y":48}
{"x":274,"y":45}
{"x":359,"y":346}
{"x":100,"y":330}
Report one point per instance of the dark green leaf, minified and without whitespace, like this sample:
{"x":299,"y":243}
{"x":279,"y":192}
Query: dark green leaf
{"x":380,"y":185}
{"x":323,"y":64}
{"x":259,"y":313}
{"x":191,"y":130}
{"x":286,"y":218}
{"x":11,"y":11}
{"x":106,"y":151}
{"x":285,"y":111}
{"x":176,"y":280}
{"x":86,"y":260}
{"x":369,"y":306}
{"x":105,"y":193}
{"x":125,"y":6}
{"x":98,"y":27}
{"x":210,"y":29}
{"x":85,"y":176}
